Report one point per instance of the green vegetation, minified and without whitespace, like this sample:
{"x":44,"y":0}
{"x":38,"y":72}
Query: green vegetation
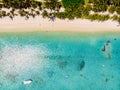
{"x":98,"y":17}
{"x":111,"y":9}
{"x":68,"y":3}
{"x":73,"y":9}
{"x":61,"y":15}
{"x":52,"y":4}
{"x":45,"y":14}
{"x":116,"y":18}
{"x":21,"y":4}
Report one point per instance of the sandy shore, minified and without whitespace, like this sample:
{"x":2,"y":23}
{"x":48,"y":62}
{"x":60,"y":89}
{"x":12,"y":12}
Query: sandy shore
{"x":39,"y":24}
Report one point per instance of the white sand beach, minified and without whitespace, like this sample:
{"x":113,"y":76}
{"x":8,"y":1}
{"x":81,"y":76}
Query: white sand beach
{"x":19,"y":24}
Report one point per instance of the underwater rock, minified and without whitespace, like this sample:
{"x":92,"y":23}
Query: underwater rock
{"x":106,"y":80}
{"x":59,"y":57}
{"x":1,"y":57}
{"x":50,"y":74}
{"x":81,"y":65}
{"x":11,"y":77}
{"x":108,"y":55}
{"x":81,"y":75}
{"x":104,"y":49}
{"x":62,"y":64}
{"x":1,"y":84}
{"x":112,"y":76}
{"x":40,"y":81}
{"x":107,"y":49}
{"x":25,"y":82}
{"x":107,"y":43}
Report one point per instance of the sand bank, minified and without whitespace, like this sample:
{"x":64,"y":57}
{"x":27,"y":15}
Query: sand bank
{"x":19,"y":24}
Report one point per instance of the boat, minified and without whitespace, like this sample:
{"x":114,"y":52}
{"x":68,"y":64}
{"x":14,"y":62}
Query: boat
{"x":25,"y":82}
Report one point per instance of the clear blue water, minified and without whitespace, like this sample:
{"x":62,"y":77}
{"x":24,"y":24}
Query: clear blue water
{"x":60,"y":61}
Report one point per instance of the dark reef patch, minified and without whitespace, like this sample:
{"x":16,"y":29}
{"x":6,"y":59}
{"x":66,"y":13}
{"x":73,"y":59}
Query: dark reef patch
{"x":61,"y":64}
{"x":81,"y":65}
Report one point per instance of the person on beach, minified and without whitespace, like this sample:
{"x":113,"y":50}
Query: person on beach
{"x":52,"y":17}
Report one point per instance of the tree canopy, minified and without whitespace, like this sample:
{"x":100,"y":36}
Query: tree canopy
{"x":72,"y":9}
{"x":67,"y":3}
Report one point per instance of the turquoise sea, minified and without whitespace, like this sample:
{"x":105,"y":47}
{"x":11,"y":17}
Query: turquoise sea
{"x":60,"y":61}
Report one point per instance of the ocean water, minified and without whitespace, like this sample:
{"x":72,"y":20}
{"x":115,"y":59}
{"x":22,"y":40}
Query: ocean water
{"x":60,"y":61}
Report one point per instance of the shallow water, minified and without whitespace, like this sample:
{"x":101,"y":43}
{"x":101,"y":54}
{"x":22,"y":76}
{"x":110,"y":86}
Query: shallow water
{"x":60,"y":61}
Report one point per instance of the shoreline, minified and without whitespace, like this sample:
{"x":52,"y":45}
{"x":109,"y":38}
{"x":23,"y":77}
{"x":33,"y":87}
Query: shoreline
{"x":38,"y":24}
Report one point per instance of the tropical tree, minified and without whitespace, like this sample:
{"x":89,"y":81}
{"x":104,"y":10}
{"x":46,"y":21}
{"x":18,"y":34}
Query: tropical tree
{"x":85,"y":12}
{"x":78,"y":12}
{"x":19,"y":4}
{"x":39,"y":5}
{"x":70,"y":16}
{"x":52,"y":4}
{"x":99,"y":5}
{"x":90,"y":1}
{"x":103,"y":17}
{"x":0,"y":15}
{"x":119,"y":19}
{"x":68,"y":3}
{"x":118,"y":10}
{"x":114,"y":2}
{"x":45,"y":14}
{"x":111,"y":9}
{"x":3,"y":13}
{"x":1,"y":5}
{"x":61,"y":15}
{"x":92,"y":17}
{"x":115,"y":17}
{"x":22,"y":13}
{"x":37,"y":13}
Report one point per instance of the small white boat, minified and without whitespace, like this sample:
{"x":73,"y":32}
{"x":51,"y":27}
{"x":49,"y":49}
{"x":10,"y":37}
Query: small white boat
{"x":27,"y":81}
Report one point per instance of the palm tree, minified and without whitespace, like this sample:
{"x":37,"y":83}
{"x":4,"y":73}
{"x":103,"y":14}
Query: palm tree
{"x":34,"y":4}
{"x":111,"y":9}
{"x":10,"y":16}
{"x":51,"y":4}
{"x":115,"y":17}
{"x":39,"y":5}
{"x":119,"y":20}
{"x":99,"y":5}
{"x":70,"y":16}
{"x":37,"y":13}
{"x":45,"y":14}
{"x":1,"y":5}
{"x":118,"y":10}
{"x":22,"y":13}
{"x":61,"y":15}
{"x":12,"y":11}
{"x":1,"y":15}
{"x":68,"y":3}
{"x":26,"y":17}
{"x":33,"y":15}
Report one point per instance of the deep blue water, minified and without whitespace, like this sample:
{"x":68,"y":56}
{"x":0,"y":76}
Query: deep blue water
{"x":60,"y":61}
